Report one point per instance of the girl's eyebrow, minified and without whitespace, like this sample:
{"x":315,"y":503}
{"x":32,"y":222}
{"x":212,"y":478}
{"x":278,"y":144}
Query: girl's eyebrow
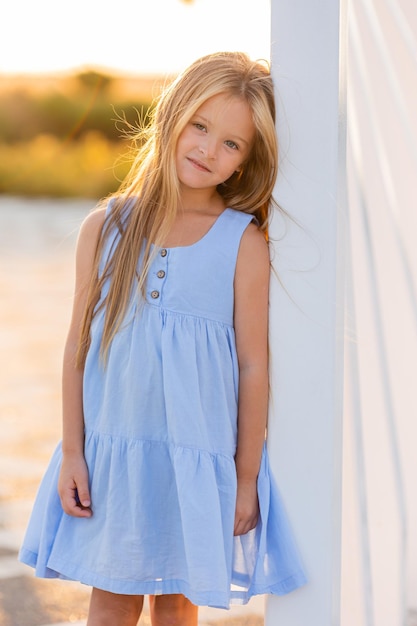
{"x":202,"y":118}
{"x":207,"y":122}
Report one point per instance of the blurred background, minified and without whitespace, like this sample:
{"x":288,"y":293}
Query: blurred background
{"x":72,"y":79}
{"x":69,"y":76}
{"x":69,"y":79}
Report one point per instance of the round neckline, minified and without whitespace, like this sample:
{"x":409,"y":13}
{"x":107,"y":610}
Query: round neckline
{"x":195,"y":243}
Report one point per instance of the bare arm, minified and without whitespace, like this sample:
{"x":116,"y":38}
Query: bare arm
{"x":73,"y":481}
{"x":251,"y":327}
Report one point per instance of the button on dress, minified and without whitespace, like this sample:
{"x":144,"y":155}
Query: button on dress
{"x":160,"y":439}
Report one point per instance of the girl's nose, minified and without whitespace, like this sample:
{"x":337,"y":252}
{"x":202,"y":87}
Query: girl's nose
{"x":208,"y":149}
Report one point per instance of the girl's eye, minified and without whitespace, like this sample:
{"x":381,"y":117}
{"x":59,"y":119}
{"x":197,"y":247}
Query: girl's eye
{"x":199,"y":126}
{"x":232,"y":144}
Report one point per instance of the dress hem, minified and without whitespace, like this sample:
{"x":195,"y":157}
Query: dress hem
{"x":217,"y":599}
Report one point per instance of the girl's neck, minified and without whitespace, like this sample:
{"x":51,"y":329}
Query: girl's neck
{"x":201,"y":200}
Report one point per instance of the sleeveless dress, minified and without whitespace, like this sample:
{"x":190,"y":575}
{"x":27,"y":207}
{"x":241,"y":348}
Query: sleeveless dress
{"x":160,"y":438}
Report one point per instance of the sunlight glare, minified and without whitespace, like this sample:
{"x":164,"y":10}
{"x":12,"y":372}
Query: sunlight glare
{"x":133,"y":36}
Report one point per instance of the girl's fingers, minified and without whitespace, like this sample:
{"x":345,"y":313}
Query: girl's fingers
{"x":73,"y":505}
{"x":83,"y":494}
{"x":244,"y":526}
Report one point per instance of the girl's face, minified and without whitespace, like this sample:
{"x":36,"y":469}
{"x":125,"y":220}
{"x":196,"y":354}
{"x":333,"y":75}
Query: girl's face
{"x":215,"y":142}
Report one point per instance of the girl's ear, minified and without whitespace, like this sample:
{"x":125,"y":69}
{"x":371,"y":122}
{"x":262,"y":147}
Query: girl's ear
{"x":241,"y":167}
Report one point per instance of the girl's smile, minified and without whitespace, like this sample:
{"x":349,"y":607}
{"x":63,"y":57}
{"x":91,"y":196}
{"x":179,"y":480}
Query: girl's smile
{"x":199,"y":165}
{"x":215,"y":142}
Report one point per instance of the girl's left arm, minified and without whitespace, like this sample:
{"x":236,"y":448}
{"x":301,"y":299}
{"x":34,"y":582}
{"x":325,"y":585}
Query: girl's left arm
{"x":251,"y":328}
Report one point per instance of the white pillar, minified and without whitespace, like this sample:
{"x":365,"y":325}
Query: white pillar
{"x":307,"y":317}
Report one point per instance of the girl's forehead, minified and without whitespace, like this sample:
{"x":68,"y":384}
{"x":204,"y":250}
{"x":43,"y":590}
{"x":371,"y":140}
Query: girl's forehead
{"x":223,"y":101}
{"x":226,"y":108}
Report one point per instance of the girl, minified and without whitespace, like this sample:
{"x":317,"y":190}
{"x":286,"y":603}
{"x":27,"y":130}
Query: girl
{"x":161,"y":485}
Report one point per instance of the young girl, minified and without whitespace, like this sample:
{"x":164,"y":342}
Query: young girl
{"x":161,"y":485}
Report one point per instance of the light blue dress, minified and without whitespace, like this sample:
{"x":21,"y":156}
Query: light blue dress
{"x":160,"y":439}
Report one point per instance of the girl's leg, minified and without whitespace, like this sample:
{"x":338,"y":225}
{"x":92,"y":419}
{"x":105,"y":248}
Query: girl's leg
{"x":113,"y":609}
{"x":172,"y":610}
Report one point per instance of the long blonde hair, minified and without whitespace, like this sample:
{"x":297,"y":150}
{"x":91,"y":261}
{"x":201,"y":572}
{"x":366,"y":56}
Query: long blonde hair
{"x":152,"y":185}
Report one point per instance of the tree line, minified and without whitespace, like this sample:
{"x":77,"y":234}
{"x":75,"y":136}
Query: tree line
{"x":70,"y":110}
{"x":67,"y":137}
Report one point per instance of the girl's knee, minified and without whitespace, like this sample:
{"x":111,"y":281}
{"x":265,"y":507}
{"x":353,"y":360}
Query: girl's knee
{"x":113,"y":609}
{"x":173,"y":610}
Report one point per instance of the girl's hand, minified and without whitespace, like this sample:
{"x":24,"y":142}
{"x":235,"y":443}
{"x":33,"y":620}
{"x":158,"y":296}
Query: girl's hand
{"x":247,"y":506}
{"x":73,"y":487}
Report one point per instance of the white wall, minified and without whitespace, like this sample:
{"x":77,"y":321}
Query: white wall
{"x":307,"y":321}
{"x":379,"y":542}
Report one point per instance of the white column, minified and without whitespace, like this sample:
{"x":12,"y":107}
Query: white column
{"x":307,"y":314}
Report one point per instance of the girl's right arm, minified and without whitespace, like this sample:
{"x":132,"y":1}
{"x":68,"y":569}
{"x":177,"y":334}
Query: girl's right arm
{"x":73,"y":480}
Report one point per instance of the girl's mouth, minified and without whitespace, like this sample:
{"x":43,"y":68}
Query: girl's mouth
{"x":199,"y":165}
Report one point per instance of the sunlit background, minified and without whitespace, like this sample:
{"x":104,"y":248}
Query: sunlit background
{"x":136,"y":36}
{"x":69,"y":71}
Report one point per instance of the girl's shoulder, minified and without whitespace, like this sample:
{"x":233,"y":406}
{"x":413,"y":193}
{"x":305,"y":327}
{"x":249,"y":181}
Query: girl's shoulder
{"x":95,"y":218}
{"x":253,"y":250}
{"x":108,"y":207}
{"x":243,"y":228}
{"x":91,"y":228}
{"x":93,"y":223}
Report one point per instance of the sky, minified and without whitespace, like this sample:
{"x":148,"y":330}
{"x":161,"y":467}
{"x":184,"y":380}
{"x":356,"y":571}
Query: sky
{"x":132,"y":36}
